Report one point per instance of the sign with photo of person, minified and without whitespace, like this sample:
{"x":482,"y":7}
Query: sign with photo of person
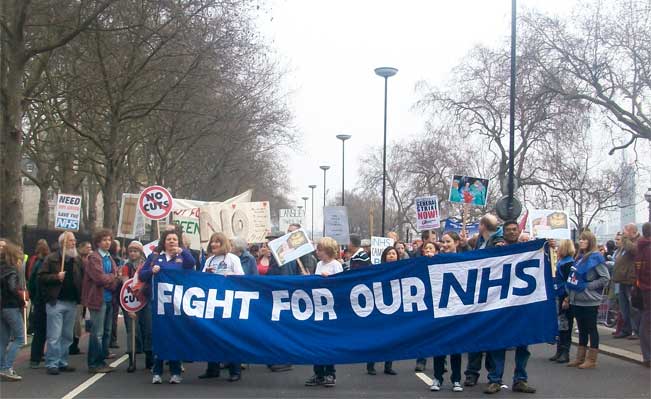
{"x":291,"y":246}
{"x":545,"y":223}
{"x":468,"y":190}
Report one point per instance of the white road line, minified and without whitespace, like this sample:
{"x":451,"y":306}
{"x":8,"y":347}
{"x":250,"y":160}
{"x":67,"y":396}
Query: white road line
{"x":86,"y":384}
{"x":425,"y":378}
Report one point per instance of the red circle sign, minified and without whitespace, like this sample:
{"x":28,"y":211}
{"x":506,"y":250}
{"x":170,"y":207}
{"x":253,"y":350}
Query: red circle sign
{"x":128,"y":300}
{"x":155,"y":202}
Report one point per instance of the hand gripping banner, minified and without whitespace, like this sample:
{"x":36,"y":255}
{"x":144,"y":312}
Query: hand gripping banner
{"x":452,"y":303}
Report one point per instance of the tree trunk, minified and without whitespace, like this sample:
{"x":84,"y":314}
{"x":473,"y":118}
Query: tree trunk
{"x":92,"y":205}
{"x":43,"y":218}
{"x":110,"y":200}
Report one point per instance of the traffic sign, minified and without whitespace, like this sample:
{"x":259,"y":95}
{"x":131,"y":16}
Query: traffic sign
{"x":128,"y":299}
{"x":155,"y":202}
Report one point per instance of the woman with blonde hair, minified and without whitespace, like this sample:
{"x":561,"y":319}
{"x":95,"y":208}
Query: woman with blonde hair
{"x":585,"y":285}
{"x":565,"y":251}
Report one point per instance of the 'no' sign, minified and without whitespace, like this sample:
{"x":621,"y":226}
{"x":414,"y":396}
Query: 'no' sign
{"x":155,"y":202}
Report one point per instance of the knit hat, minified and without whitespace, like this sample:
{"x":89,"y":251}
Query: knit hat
{"x":136,"y":244}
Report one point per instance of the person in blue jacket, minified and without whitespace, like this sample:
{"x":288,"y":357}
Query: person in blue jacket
{"x":564,"y":265}
{"x":169,"y":255}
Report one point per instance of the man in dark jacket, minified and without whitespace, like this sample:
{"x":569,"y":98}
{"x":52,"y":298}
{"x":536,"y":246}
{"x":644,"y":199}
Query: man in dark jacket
{"x":624,"y":275}
{"x":62,"y":290}
{"x":643,"y":281}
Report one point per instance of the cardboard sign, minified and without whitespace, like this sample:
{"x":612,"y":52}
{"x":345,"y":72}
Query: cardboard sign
{"x":549,"y":224}
{"x":131,"y":223}
{"x":248,"y":220}
{"x":378,"y":244}
{"x":428,"y":215}
{"x":155,"y":202}
{"x":468,"y":190}
{"x":290,"y":216}
{"x":336,"y":224}
{"x":291,"y":246}
{"x":127,"y":299}
{"x":67,"y":212}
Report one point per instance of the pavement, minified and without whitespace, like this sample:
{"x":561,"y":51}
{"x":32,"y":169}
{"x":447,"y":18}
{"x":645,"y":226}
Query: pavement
{"x":623,"y":348}
{"x":615,"y":377}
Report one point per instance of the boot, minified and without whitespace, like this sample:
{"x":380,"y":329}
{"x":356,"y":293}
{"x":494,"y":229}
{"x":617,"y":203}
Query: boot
{"x":74,"y":347}
{"x":149,"y":360}
{"x":564,"y":344}
{"x":564,"y":357}
{"x":591,"y":359}
{"x":580,"y":357}
{"x":558,"y":352}
{"x":132,"y":364}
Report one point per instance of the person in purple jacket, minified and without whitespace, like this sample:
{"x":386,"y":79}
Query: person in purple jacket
{"x":169,"y":256}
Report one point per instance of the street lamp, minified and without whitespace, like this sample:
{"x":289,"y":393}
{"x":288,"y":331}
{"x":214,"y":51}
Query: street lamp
{"x":647,"y":197}
{"x":325,"y":169}
{"x":386,"y":73}
{"x":343,"y":138}
{"x":305,"y":205}
{"x":312,"y":186}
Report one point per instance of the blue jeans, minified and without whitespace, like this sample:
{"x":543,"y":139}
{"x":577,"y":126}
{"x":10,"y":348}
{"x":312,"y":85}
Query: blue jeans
{"x":60,"y":327}
{"x":521,"y":357}
{"x":12,"y":327}
{"x":100,"y":335}
{"x":474,"y":363}
{"x":175,"y":367}
{"x":455,"y":363}
{"x":629,"y":315}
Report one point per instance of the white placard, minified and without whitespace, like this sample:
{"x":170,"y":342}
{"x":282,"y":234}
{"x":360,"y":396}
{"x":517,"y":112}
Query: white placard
{"x":248,"y":220}
{"x":290,"y":216}
{"x":544,"y":223}
{"x":378,"y":244}
{"x":291,"y":246}
{"x":67,"y":212}
{"x":428,"y":215}
{"x":336,"y":224}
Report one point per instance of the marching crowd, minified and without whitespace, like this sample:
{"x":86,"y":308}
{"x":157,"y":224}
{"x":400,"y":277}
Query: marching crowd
{"x":73,"y":286}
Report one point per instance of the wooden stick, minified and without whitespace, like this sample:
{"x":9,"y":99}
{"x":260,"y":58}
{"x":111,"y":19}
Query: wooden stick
{"x":63,"y":249}
{"x":25,"y":317}
{"x":134,"y":322}
{"x":465,"y":218}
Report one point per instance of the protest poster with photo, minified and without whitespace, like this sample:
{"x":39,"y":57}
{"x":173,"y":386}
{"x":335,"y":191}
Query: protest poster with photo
{"x":428,"y":215}
{"x":67,"y":212}
{"x":248,"y":220}
{"x":545,"y":223}
{"x":291,"y":246}
{"x":336,"y":224}
{"x":290,"y":216}
{"x":378,"y":244}
{"x":468,"y":190}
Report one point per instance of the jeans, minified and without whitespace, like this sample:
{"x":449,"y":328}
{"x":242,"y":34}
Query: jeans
{"x":371,"y":365}
{"x":474,"y":363}
{"x":12,"y":327}
{"x":233,"y":368}
{"x":455,"y":363}
{"x":322,"y":371}
{"x":175,"y":367}
{"x":60,"y":326}
{"x":586,"y":320}
{"x":521,"y":357}
{"x":39,"y":323}
{"x":629,"y":315}
{"x":645,"y":327}
{"x":143,"y":329}
{"x":100,"y":335}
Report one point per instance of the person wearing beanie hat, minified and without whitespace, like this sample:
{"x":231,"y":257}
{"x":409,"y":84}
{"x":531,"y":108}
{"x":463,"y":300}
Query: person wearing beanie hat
{"x":142,"y":318}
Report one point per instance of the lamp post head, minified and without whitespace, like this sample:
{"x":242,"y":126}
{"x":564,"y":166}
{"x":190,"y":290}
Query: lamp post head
{"x":300,"y":207}
{"x":312,"y":186}
{"x":386,"y":72}
{"x":344,"y":137}
{"x":306,"y":198}
{"x":324,"y":167}
{"x":647,"y":196}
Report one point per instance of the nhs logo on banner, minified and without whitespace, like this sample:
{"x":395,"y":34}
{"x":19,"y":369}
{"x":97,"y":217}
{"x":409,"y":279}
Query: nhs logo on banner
{"x":487,"y":284}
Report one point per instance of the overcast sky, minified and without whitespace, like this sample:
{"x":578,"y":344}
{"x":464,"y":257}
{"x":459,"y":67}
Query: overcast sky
{"x":331,"y":48}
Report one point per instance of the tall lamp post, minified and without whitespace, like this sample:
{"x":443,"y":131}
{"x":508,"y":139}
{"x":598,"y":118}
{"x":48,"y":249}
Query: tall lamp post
{"x":305,"y":207}
{"x":343,"y":138}
{"x":647,"y":197}
{"x":386,"y":73}
{"x":312,"y":186}
{"x":325,"y":169}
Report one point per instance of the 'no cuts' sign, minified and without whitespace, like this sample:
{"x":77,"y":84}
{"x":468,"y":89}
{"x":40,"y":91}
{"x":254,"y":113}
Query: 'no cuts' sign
{"x":155,"y":202}
{"x":128,"y":300}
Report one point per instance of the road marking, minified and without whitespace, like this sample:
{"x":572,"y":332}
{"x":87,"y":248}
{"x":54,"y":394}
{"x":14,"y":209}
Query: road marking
{"x":425,"y":378}
{"x":86,"y":384}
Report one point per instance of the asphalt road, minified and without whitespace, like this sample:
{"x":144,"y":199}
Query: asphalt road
{"x":614,"y":378}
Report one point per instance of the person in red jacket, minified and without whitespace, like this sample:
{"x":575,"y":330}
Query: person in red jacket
{"x":643,"y":282}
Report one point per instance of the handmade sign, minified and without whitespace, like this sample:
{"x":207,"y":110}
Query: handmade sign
{"x":378,"y":244}
{"x":428,"y":215}
{"x":67,"y":212}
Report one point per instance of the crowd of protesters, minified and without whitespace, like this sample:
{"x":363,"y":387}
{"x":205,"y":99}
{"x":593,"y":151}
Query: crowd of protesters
{"x":70,"y":286}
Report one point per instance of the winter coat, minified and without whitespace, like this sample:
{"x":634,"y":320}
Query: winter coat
{"x":49,"y":281}
{"x":643,"y":263}
{"x":624,"y":271}
{"x":95,"y":281}
{"x":587,"y":280}
{"x":10,"y":292}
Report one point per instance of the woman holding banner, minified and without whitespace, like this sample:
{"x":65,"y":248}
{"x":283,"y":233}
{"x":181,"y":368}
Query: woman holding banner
{"x":451,"y":244}
{"x":221,"y":261}
{"x":169,"y":256}
{"x":390,"y":254}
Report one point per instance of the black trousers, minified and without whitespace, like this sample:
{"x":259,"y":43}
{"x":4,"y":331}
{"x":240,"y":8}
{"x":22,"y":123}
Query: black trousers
{"x":586,"y":320}
{"x":39,"y":318}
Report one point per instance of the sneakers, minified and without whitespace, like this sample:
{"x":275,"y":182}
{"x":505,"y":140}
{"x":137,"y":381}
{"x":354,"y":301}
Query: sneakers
{"x":329,"y":381}
{"x":52,"y":370}
{"x":10,"y":375}
{"x":456,"y":387}
{"x":522,"y":386}
{"x":175,"y":379}
{"x":471,"y":380}
{"x":436,"y":385}
{"x":493,"y":387}
{"x":390,"y":372}
{"x":157,"y":379}
{"x":67,"y":369}
{"x":314,"y":381}
{"x":101,"y":369}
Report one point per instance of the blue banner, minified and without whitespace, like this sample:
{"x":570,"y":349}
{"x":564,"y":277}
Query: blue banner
{"x":456,"y":226}
{"x":452,"y":303}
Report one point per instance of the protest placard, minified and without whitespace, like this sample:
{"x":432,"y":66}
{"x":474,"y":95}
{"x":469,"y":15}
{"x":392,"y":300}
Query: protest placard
{"x":378,"y":244}
{"x":67,"y":212}
{"x":468,"y":190}
{"x":291,"y":246}
{"x":290,"y":216}
{"x":428,"y":215}
{"x":131,"y":223}
{"x":545,"y":223}
{"x":155,"y":202}
{"x":336,"y":224}
{"x":248,"y":220}
{"x":188,"y":220}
